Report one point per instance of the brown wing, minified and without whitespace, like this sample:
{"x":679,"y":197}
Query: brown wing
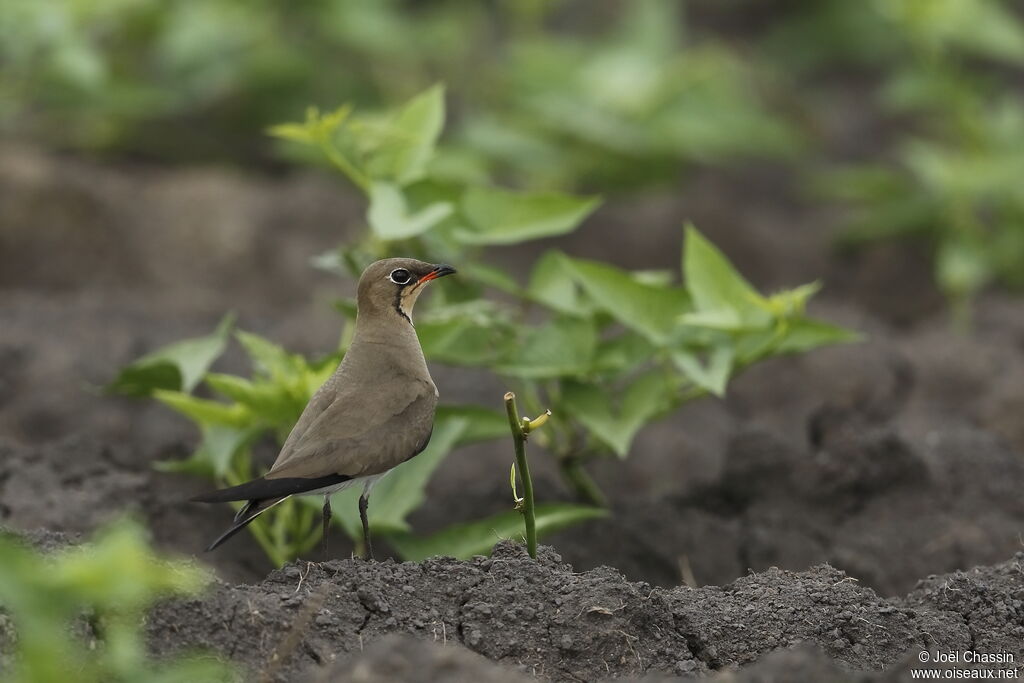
{"x":361,"y":433}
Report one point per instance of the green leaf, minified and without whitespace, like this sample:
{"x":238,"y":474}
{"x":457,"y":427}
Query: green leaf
{"x":491,"y":276}
{"x":203,"y":411}
{"x":645,"y":399}
{"x":118,"y":568}
{"x":552,"y":284}
{"x":482,"y":424}
{"x":624,"y":352}
{"x":463,"y":541}
{"x":498,"y":216}
{"x":296,"y":132}
{"x":658,"y":278}
{"x":179,"y":366}
{"x":792,"y":302}
{"x":648,"y":309}
{"x":316,"y":129}
{"x":215,"y":453}
{"x":269,"y":358}
{"x":726,"y":320}
{"x":410,"y":139}
{"x":713,"y":375}
{"x":116,"y":574}
{"x":460,"y":341}
{"x":236,"y":388}
{"x":715,"y":285}
{"x":273,"y":403}
{"x":389,"y":216}
{"x":804,"y":334}
{"x":220,"y":444}
{"x":403,"y":489}
{"x":563,"y":346}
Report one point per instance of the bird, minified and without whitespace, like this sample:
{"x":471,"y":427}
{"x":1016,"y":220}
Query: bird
{"x":373,"y":413}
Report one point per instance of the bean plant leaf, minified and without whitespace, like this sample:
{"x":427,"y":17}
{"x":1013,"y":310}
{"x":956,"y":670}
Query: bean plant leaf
{"x":711,"y":375}
{"x":116,"y":574}
{"x":491,"y":276}
{"x":315,"y":128}
{"x":792,"y":302}
{"x":552,"y":284}
{"x":463,"y":541}
{"x":204,"y":411}
{"x":410,"y":137}
{"x":498,"y":216}
{"x":644,"y":399}
{"x":403,"y":489}
{"x":561,"y":347}
{"x":725,"y":320}
{"x":804,"y":334}
{"x":715,"y":285}
{"x":482,"y":424}
{"x":650,"y":310}
{"x":271,"y":402}
{"x":177,"y":367}
{"x":460,"y":341}
{"x":622,"y":353}
{"x":267,"y":357}
{"x":390,"y":218}
{"x":212,"y":459}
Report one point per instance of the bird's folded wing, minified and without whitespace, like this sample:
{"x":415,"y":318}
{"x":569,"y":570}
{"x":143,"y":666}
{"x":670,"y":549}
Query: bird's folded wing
{"x":360,"y":435}
{"x":324,"y":397}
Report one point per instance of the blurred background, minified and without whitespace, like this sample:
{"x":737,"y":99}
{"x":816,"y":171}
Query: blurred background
{"x":875,"y":146}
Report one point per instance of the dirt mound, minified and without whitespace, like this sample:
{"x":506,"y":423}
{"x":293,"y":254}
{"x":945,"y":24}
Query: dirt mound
{"x":862,"y":493}
{"x":537,"y":616}
{"x":544,"y":619}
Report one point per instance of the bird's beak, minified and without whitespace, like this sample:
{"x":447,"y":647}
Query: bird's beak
{"x":439,"y":270}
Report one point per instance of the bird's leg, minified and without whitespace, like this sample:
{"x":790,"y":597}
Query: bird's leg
{"x":367,"y":546}
{"x":327,"y":521}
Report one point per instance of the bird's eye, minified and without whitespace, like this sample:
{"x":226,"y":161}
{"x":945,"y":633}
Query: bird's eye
{"x":400,"y":276}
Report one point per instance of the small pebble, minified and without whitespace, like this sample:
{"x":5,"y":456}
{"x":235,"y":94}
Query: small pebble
{"x":686,"y":666}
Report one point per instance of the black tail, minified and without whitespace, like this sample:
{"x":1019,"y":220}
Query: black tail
{"x":263,"y":494}
{"x":264,"y":488}
{"x":251,"y":510}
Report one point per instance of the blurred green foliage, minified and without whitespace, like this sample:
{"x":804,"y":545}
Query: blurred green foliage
{"x":566,"y":94}
{"x":76,"y":614}
{"x":608,"y":349}
{"x":951,"y":172}
{"x":621,"y":101}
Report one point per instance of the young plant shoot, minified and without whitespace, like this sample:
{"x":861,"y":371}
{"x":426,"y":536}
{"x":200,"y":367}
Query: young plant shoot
{"x":521,"y":428}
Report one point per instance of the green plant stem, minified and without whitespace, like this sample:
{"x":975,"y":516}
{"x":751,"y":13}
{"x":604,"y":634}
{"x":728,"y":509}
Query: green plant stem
{"x":574,"y":473}
{"x":519,"y":439}
{"x":345,"y":166}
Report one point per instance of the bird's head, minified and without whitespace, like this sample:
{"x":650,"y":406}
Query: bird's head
{"x":391,"y":286}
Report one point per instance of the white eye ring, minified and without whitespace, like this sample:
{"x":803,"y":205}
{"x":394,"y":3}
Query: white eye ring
{"x":400,"y":276}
